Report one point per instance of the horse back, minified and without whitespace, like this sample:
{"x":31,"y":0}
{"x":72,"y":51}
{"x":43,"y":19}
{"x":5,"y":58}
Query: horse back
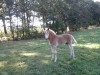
{"x":64,"y":38}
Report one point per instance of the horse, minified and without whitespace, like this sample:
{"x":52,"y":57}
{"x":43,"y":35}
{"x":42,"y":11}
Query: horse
{"x":55,"y":40}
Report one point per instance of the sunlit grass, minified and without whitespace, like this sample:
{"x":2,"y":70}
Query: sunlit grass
{"x":45,"y":61}
{"x":2,"y":64}
{"x":89,"y":45}
{"x":30,"y":54}
{"x":32,"y":57}
{"x":19,"y":65}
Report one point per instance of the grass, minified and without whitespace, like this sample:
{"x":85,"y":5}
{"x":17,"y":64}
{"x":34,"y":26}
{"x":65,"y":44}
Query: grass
{"x":32,"y":57}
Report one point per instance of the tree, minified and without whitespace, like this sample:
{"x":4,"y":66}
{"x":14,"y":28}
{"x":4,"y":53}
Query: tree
{"x":9,"y":4}
{"x":95,"y":10}
{"x":3,"y":13}
{"x":72,"y":13}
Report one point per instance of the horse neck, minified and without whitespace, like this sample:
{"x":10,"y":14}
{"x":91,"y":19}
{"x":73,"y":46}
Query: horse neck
{"x":52,"y":37}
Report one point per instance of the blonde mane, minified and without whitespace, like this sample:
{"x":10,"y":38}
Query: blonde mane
{"x":52,"y":31}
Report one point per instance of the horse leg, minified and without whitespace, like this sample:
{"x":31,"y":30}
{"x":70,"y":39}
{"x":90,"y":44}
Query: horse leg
{"x":72,"y":55}
{"x":54,"y":53}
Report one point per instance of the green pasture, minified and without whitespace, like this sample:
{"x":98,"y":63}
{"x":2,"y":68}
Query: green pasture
{"x":32,"y":57}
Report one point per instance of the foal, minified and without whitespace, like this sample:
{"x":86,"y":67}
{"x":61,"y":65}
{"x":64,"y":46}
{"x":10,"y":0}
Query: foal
{"x":56,"y":40}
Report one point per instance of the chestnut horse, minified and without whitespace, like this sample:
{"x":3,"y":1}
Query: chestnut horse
{"x":56,"y":40}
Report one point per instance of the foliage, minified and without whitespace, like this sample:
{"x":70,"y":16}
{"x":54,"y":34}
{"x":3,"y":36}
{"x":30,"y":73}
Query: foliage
{"x":68,"y":12}
{"x":1,"y":34}
{"x":56,"y":14}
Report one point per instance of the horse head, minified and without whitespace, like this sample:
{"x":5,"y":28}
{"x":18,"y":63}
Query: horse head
{"x":46,"y":32}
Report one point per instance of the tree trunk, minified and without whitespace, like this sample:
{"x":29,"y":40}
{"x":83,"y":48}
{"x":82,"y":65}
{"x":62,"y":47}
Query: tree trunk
{"x":23,"y":25}
{"x":11,"y":28}
{"x":27,"y":18}
{"x":5,"y":30}
{"x":17,"y":28}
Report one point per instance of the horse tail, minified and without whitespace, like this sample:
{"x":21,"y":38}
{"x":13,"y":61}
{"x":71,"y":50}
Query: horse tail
{"x":74,"y":39}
